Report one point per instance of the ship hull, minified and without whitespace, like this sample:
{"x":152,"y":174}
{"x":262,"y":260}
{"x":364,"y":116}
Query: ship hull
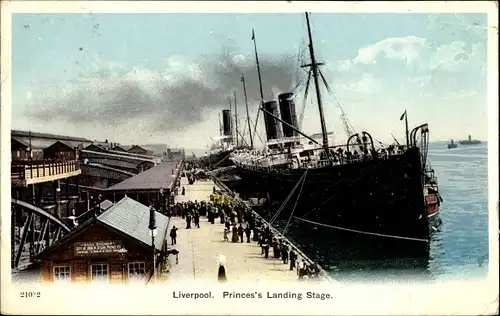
{"x":369,"y":198}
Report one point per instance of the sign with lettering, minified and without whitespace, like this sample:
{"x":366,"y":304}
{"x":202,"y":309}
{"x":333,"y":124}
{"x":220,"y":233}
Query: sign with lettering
{"x":92,"y":248}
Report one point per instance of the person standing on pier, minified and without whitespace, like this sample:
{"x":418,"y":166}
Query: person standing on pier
{"x":256,"y":234}
{"x":235,"y":234}
{"x":302,"y":268}
{"x":222,"y":215}
{"x":265,"y":246}
{"x":247,"y":233}
{"x":293,"y":257}
{"x":188,"y":221}
{"x":275,"y":248}
{"x":183,"y":191}
{"x":173,"y":235}
{"x":240,"y":232}
{"x":284,"y":253}
{"x":196,"y":219}
{"x":221,"y":275}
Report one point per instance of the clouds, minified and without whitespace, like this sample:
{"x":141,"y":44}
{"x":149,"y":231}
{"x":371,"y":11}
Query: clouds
{"x":171,"y":99}
{"x":406,"y":49}
{"x":412,"y":61}
{"x":458,"y":56}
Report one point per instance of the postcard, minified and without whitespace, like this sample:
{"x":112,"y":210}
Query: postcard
{"x":305,"y":158}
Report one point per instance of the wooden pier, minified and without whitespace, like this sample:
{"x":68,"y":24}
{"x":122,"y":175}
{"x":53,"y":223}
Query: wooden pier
{"x":199,"y":247}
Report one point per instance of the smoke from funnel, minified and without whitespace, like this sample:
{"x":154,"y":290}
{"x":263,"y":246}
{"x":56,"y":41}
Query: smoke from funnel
{"x":165,"y":101}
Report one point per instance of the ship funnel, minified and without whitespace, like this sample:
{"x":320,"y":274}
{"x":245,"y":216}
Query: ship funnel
{"x":288,"y":114}
{"x":272,"y":126}
{"x":226,"y":122}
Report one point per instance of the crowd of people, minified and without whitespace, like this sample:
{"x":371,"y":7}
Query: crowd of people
{"x":241,"y":225}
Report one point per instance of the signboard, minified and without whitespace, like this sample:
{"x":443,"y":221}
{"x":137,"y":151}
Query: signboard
{"x":92,"y":248}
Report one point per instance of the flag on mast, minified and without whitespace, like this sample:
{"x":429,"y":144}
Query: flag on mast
{"x":402,"y":116}
{"x":253,"y":34}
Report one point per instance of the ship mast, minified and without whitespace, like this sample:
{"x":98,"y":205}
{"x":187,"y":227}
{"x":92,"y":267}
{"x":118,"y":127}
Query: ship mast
{"x":236,"y":118}
{"x":220,"y":126}
{"x":248,"y":114}
{"x":314,"y":67}
{"x":230,"y":120}
{"x":260,"y":82}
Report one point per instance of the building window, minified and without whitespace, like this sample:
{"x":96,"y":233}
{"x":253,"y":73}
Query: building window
{"x":136,"y":270}
{"x":62,"y":273}
{"x":99,"y":272}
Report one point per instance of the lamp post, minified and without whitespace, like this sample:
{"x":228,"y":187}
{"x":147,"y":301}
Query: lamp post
{"x":153,"y":232}
{"x":58,"y":198}
{"x":162,"y":201}
{"x":122,"y":252}
{"x":99,"y":200}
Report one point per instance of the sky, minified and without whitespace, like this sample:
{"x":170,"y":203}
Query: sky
{"x":165,"y":78}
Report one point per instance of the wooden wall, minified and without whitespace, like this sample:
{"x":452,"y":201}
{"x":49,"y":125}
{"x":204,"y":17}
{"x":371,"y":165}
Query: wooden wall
{"x":81,"y":266}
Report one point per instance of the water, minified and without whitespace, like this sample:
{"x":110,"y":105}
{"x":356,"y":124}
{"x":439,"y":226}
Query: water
{"x":459,"y":248}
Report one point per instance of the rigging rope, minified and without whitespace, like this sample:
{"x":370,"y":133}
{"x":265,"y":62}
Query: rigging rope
{"x":296,"y":202}
{"x":362,"y":232}
{"x":275,"y":216}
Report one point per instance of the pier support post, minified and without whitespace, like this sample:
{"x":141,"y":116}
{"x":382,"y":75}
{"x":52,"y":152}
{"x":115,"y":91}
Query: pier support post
{"x":13,"y":235}
{"x":32,"y":224}
{"x":78,"y":187}
{"x":67,"y":197}
{"x":54,"y":194}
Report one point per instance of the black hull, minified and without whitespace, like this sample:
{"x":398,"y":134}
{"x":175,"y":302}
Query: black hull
{"x":342,"y":250}
{"x":218,"y":159}
{"x":382,"y":196}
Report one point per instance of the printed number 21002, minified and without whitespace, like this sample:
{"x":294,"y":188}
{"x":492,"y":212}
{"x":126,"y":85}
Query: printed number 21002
{"x":30,"y":294}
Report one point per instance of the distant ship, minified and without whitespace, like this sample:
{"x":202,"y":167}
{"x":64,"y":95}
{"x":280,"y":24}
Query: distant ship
{"x":452,"y":144}
{"x":469,"y":141}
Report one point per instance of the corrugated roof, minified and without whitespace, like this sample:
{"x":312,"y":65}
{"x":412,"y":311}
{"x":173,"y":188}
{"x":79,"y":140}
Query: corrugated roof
{"x":132,"y":218}
{"x":122,"y":147}
{"x":36,"y":143}
{"x":19,"y":133}
{"x":156,"y":178}
{"x":114,"y":163}
{"x":42,"y":143}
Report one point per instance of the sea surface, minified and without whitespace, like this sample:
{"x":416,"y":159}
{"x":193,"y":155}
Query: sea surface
{"x":459,"y":245}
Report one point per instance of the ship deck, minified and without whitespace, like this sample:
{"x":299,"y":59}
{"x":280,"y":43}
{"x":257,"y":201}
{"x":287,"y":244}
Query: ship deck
{"x":199,"y":247}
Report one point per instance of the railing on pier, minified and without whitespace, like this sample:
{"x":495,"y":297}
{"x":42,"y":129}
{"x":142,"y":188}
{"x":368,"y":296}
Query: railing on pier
{"x":31,"y":172}
{"x":276,"y":232}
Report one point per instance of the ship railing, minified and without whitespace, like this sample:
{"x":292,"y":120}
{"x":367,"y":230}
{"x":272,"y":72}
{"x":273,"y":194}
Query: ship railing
{"x":257,"y":165}
{"x":276,"y":232}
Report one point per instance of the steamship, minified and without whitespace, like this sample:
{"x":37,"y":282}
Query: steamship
{"x":222,"y":146}
{"x":359,"y":189}
{"x":469,"y":141}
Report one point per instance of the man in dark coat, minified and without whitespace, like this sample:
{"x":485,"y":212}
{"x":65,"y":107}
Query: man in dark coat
{"x":188,"y":221}
{"x":196,"y":219}
{"x":284,"y":253}
{"x":292,"y":259}
{"x":265,"y":246}
{"x":240,"y":232}
{"x":247,"y":233}
{"x":173,"y":235}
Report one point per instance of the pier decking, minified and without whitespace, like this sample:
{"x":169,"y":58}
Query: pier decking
{"x":199,"y":247}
